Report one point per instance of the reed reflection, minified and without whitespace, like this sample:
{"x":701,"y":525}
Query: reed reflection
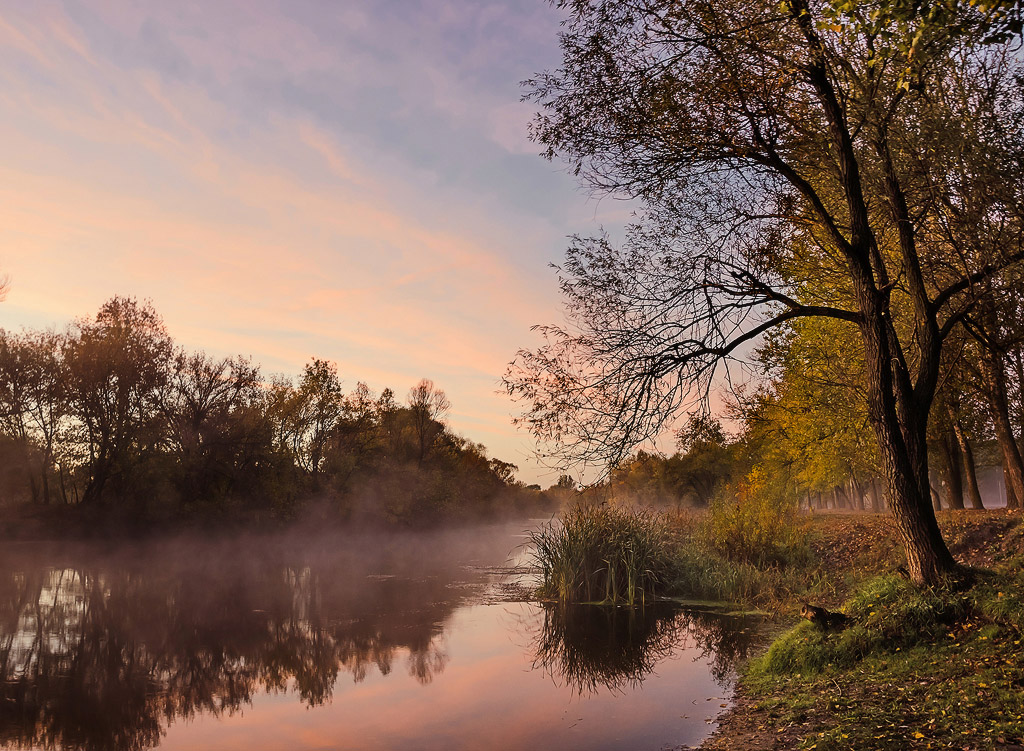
{"x":590,"y":648}
{"x":104,"y":654}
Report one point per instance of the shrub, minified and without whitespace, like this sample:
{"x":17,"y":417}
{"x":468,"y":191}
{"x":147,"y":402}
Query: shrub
{"x":755,"y":520}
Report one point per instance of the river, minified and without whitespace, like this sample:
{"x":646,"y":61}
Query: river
{"x":340,"y":641}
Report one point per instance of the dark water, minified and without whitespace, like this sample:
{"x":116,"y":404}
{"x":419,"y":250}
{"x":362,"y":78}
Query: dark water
{"x":416,"y":641}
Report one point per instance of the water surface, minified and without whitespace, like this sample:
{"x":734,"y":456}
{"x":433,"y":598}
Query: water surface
{"x":408,"y":641}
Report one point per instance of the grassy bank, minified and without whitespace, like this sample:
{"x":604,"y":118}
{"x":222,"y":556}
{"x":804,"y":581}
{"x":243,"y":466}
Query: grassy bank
{"x":916,"y":668}
{"x":604,"y":554}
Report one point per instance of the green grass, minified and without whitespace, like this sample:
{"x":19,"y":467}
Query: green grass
{"x":700,"y":574}
{"x":887,"y":613}
{"x":620,"y":555}
{"x":700,"y":571}
{"x":917,"y":668}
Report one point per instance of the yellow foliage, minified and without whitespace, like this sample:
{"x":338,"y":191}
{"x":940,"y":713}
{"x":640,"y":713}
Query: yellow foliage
{"x":755,"y":520}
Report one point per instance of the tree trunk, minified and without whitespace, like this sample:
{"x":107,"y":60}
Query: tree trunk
{"x":33,"y":486}
{"x":970,"y":468}
{"x":876,"y":496}
{"x":46,"y":477}
{"x":1018,"y":368}
{"x":839,"y":495}
{"x":906,"y":475}
{"x":1008,"y":493}
{"x":93,"y":492}
{"x":994,"y":377}
{"x":63,"y":485}
{"x":899,"y":417}
{"x":954,"y":474}
{"x":856,"y":494}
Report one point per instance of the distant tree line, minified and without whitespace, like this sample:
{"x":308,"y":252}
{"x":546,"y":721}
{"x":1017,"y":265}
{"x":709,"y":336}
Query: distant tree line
{"x":110,"y":413}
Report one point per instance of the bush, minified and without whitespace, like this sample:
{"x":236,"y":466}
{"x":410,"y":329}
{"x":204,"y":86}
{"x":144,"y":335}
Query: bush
{"x":755,"y":520}
{"x":604,"y":554}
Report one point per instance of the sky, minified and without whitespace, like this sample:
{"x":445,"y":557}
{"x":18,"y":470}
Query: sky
{"x":347,"y":179}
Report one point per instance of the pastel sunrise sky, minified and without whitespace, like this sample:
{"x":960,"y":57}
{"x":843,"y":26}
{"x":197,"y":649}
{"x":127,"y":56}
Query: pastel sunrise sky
{"x":350,"y":180}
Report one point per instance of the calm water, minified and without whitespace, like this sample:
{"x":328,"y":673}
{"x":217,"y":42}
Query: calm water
{"x":375,"y":642}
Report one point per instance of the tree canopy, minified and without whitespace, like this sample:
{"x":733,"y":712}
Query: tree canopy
{"x":852,"y":162}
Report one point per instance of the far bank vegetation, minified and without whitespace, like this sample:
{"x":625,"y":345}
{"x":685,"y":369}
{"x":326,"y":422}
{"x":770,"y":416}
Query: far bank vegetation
{"x":110,"y":417}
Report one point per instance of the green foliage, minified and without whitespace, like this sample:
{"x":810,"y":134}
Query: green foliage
{"x":755,"y":520}
{"x":603,"y":554}
{"x":813,"y":417}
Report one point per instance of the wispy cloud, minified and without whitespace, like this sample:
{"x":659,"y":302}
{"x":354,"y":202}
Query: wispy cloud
{"x":350,"y":181}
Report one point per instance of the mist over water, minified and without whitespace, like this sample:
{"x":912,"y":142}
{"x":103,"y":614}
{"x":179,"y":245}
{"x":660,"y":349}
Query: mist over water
{"x":371,"y":640}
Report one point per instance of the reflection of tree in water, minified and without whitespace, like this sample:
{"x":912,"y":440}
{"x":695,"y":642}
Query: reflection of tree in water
{"x":590,"y":647}
{"x":105,"y":656}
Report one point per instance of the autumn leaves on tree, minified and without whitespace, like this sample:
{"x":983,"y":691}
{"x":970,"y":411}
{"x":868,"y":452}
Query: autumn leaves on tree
{"x":857,"y":164}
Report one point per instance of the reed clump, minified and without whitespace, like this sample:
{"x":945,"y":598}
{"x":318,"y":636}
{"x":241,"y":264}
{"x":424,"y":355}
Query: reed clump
{"x":604,"y":554}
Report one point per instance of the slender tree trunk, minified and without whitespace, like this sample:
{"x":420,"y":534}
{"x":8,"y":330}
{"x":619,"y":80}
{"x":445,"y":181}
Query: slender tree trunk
{"x":970,"y":468}
{"x":97,"y":481}
{"x":63,"y":485}
{"x":876,"y":496}
{"x":954,"y":474}
{"x":995,"y":392}
{"x":856,"y":494}
{"x":1008,"y":493}
{"x":47,"y":462}
{"x":26,"y":457}
{"x":839,"y":496}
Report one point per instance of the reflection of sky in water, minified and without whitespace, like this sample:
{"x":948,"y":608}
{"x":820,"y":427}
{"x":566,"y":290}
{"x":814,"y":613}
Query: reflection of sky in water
{"x":347,"y":643}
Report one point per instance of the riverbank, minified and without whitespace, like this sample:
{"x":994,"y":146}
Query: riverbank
{"x":938,"y":669}
{"x":36,"y":523}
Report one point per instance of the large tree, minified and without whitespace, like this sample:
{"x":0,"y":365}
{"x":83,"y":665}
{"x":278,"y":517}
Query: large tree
{"x":791,"y":160}
{"x":117,"y":365}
